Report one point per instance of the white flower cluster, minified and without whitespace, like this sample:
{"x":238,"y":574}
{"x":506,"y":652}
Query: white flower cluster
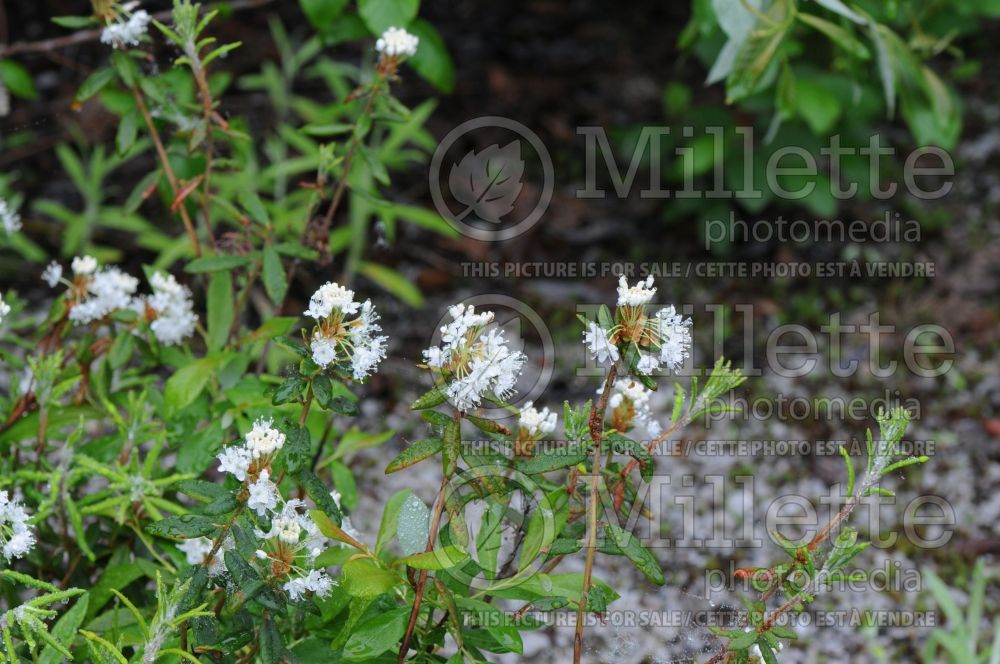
{"x":632,"y":397}
{"x":397,"y":42}
{"x":537,"y":423}
{"x":120,"y":34}
{"x":9,"y":217}
{"x":174,"y":319}
{"x":293,"y":541}
{"x":52,"y":274}
{"x":99,"y":292}
{"x":635,"y":296}
{"x":251,"y":460}
{"x":474,"y":360}
{"x":197,"y":549}
{"x":663,"y":340}
{"x":4,"y":308}
{"x":599,"y":344}
{"x":16,"y":536}
{"x":339,"y":339}
{"x":104,"y":291}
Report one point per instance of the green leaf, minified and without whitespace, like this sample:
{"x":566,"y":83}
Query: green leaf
{"x":65,"y":630}
{"x":432,"y":60}
{"x":220,"y":309}
{"x":433,"y":397}
{"x":361,"y":577}
{"x":17,"y":78}
{"x":183,"y":526}
{"x":394,"y":282}
{"x":95,"y":83}
{"x":333,"y":531}
{"x":886,"y":67}
{"x":289,"y":390}
{"x":128,"y":129}
{"x":413,"y":525}
{"x":186,"y":384}
{"x":837,"y":34}
{"x":322,"y":13}
{"x":390,"y":518}
{"x":553,"y":458}
{"x":376,"y":635}
{"x":74,"y":22}
{"x":633,"y":549}
{"x":619,"y":444}
{"x":438,"y":559}
{"x":216,"y":263}
{"x":451,"y":447}
{"x":320,"y":494}
{"x":275,"y":280}
{"x":379,"y":15}
{"x":839,"y":7}
{"x":489,"y":539}
{"x":414,"y":453}
{"x":499,"y":625}
{"x":819,"y":107}
{"x":742,"y":640}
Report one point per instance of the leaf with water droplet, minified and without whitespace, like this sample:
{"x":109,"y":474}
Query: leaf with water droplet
{"x":413,"y":525}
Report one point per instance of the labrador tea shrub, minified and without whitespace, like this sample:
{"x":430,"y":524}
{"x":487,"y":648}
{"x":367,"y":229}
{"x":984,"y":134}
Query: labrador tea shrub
{"x":168,"y":489}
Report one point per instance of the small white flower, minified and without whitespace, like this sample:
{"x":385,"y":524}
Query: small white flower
{"x":84,"y":265}
{"x":263,"y":494}
{"x":108,"y":291}
{"x":397,"y":42}
{"x":626,"y":393}
{"x":601,"y":349}
{"x":16,"y":536}
{"x":337,"y":339}
{"x":235,"y":460}
{"x":120,"y":34}
{"x":316,"y":580}
{"x":473,"y":360}
{"x":288,"y":529}
{"x":674,"y":337}
{"x":171,"y":302}
{"x":10,"y":218}
{"x":197,"y":548}
{"x":263,"y":439}
{"x":635,"y":296}
{"x":52,"y":274}
{"x":647,"y":364}
{"x":331,"y":296}
{"x":537,"y":422}
{"x":324,"y":350}
{"x":261,"y":554}
{"x":4,"y":308}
